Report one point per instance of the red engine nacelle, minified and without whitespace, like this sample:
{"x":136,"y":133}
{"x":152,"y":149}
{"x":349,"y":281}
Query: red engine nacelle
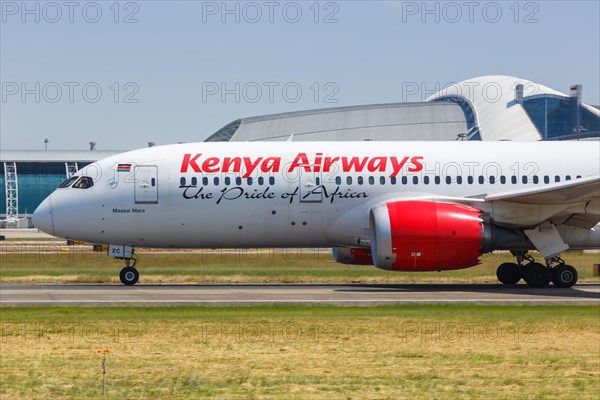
{"x":352,"y":255}
{"x":418,"y":235}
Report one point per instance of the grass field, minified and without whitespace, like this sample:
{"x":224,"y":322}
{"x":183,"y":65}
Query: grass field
{"x":53,"y":263}
{"x":396,"y":352}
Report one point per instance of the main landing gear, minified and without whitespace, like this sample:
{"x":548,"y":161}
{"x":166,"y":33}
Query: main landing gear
{"x":536,"y":274}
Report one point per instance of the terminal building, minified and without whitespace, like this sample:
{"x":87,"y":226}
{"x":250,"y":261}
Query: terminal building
{"x":487,"y":108}
{"x":484,"y":108}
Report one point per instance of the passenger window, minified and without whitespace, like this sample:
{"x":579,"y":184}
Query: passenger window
{"x":338,"y":180}
{"x":371,"y":180}
{"x":194,"y":181}
{"x":470,"y":180}
{"x":205,"y":181}
{"x":492,"y":179}
{"x":382,"y":180}
{"x":481,"y":179}
{"x":502,"y":179}
{"x":546,"y":179}
{"x":349,"y":180}
{"x":318,"y":181}
{"x":568,"y":178}
{"x":271,"y":180}
{"x":238,"y":181}
{"x":415,"y":180}
{"x":249,"y":180}
{"x":181,"y":181}
{"x":70,"y":181}
{"x":459,"y":180}
{"x":438,"y":180}
{"x":513,"y":180}
{"x":227,"y":180}
{"x":536,"y":179}
{"x":216,"y":181}
{"x":448,"y":180}
{"x":360,"y":180}
{"x":557,"y":178}
{"x":426,"y":180}
{"x":393,"y":180}
{"x":84,"y":182}
{"x":404,"y":180}
{"x":578,"y":176}
{"x":524,"y":179}
{"x":261,"y":180}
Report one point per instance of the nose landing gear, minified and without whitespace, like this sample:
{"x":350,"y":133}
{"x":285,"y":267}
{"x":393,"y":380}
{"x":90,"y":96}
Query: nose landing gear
{"x":129,"y":275}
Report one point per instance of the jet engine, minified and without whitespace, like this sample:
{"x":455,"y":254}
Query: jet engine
{"x":353,"y":255}
{"x":417,"y":235}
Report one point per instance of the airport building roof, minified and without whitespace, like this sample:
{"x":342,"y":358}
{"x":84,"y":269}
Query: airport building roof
{"x":494,"y":107}
{"x":397,"y":121}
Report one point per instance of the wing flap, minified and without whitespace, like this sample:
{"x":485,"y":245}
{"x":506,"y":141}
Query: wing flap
{"x":574,"y":203}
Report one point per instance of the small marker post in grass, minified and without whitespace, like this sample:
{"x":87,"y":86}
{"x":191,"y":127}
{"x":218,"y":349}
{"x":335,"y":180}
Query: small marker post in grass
{"x":104,"y":352}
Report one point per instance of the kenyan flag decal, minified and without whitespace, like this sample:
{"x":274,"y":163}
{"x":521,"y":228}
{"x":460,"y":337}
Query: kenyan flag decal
{"x":124,"y":168}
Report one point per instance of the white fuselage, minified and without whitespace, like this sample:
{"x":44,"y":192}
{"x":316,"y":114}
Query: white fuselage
{"x":305,"y":194}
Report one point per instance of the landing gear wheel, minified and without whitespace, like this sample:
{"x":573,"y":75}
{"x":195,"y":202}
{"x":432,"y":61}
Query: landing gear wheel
{"x":537,"y":275}
{"x":129,"y":276}
{"x":509,"y":273}
{"x":564,"y":276}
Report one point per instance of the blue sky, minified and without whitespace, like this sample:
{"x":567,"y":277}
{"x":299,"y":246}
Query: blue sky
{"x":177,"y":71}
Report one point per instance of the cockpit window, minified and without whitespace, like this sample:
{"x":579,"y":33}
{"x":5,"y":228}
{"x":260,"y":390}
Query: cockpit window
{"x":68,"y":182}
{"x":85,"y":182}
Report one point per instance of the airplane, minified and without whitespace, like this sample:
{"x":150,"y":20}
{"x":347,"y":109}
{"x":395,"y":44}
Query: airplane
{"x":400,"y":206}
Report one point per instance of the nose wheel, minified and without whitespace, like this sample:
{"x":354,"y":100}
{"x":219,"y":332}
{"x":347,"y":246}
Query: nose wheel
{"x":129,"y":274}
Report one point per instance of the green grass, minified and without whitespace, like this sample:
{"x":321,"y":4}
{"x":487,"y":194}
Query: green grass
{"x":60,"y":264}
{"x":388,"y":352}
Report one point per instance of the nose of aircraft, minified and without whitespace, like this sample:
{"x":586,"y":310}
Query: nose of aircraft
{"x":42,"y":217}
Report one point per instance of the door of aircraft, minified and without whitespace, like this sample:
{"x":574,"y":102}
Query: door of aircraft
{"x":310,"y":187}
{"x":146,"y":184}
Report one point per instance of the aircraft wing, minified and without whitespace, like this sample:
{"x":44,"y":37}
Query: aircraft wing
{"x":575,"y":203}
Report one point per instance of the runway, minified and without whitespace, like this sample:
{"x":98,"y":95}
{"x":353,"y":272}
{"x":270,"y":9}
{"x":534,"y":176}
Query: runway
{"x":346,"y":295}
